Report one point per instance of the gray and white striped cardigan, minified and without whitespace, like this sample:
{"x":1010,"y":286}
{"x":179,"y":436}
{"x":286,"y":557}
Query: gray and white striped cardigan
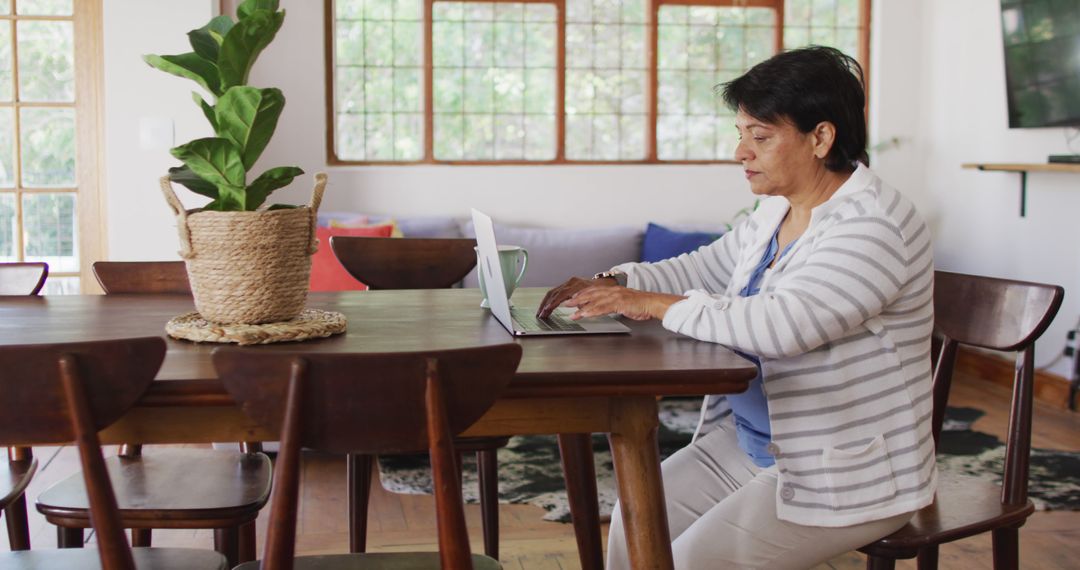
{"x":842,"y":327}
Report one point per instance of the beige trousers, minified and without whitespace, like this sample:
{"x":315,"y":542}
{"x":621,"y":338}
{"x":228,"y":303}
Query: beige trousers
{"x":721,"y":511}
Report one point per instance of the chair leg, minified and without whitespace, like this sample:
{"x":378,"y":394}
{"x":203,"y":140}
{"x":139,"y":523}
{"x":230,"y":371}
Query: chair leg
{"x":247,"y":542}
{"x":69,"y":537}
{"x":928,"y":558}
{"x":487,"y":468}
{"x":17,"y":524}
{"x":880,"y":563}
{"x":227,"y":542}
{"x":579,"y":473}
{"x":141,"y":537}
{"x":359,"y":473}
{"x":1006,"y":548}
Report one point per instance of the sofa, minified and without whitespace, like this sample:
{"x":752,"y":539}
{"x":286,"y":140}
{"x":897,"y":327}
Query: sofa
{"x":555,"y":254}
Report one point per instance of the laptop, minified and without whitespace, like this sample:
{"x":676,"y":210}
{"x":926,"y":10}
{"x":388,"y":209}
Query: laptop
{"x":522,"y":321}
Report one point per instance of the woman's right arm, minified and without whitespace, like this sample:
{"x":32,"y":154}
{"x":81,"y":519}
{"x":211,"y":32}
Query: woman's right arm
{"x":709,"y":267}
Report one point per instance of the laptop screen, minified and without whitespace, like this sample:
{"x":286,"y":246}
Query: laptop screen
{"x":494,"y":281}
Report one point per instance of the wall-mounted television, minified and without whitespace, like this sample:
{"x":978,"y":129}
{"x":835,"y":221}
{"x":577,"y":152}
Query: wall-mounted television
{"x":1042,"y":62}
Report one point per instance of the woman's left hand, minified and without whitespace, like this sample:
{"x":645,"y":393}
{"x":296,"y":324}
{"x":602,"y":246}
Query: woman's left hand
{"x":631,"y":303}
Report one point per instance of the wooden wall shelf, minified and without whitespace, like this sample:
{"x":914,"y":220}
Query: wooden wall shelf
{"x":1023,"y":169}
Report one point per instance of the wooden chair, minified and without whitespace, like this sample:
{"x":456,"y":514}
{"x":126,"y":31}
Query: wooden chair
{"x":368,"y":404}
{"x":158,"y":490}
{"x":416,"y":263}
{"x":997,"y":314}
{"x":142,"y":277}
{"x":22,"y":278}
{"x":19,"y":279}
{"x":58,"y":393}
{"x":420,"y":263}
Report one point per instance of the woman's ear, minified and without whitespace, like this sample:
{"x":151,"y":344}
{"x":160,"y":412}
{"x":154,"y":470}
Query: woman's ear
{"x":824,"y":135}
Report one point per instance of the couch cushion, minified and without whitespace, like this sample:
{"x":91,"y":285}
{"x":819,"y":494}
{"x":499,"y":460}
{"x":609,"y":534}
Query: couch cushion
{"x":662,"y":243}
{"x":327,"y":274}
{"x":555,"y":255}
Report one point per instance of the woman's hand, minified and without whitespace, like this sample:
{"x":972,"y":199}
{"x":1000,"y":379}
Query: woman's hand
{"x":631,"y":303}
{"x":558,"y":295}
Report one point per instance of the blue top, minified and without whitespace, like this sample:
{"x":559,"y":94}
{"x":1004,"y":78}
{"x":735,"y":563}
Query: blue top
{"x":750,"y":408}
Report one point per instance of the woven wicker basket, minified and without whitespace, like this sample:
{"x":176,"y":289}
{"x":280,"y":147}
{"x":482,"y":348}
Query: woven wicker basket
{"x":248,"y":267}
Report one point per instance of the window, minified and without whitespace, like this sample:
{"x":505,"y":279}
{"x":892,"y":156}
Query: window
{"x":46,"y":119}
{"x":556,"y":81}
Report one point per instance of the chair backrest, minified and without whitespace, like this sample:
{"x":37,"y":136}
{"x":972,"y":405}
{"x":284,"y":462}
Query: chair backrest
{"x":58,"y":393}
{"x":116,"y":277}
{"x":22,"y":278}
{"x":405,"y":263}
{"x":367,"y":403}
{"x":998,"y":314}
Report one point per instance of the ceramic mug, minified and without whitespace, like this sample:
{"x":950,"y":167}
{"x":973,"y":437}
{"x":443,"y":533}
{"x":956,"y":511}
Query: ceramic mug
{"x":513,"y":259}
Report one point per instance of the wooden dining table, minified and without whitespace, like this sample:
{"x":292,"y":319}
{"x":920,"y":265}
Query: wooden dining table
{"x":566,"y":385}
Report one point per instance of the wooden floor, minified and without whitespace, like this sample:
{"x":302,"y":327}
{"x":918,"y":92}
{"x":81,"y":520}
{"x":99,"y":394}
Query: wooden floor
{"x":406,"y":522}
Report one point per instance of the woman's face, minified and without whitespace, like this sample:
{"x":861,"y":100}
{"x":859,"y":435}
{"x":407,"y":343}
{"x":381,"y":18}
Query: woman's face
{"x":778,"y":159}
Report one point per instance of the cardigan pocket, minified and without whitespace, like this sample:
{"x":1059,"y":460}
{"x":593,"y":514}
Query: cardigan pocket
{"x":859,"y":477}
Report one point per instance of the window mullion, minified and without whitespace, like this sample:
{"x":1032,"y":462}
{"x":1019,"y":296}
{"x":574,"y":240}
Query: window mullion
{"x":652,"y":37}
{"x":560,"y":81}
{"x":429,"y":82}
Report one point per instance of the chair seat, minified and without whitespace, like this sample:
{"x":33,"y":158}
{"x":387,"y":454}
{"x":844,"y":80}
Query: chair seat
{"x":88,"y":559}
{"x":209,"y":486}
{"x":962,"y":507}
{"x":14,"y":477}
{"x":377,"y":561}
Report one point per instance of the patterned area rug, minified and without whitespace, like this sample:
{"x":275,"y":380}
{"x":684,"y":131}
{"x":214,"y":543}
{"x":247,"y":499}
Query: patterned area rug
{"x":530,"y":472}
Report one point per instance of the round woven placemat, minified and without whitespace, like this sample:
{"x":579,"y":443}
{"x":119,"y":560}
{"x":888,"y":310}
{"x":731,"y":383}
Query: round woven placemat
{"x":311,"y":323}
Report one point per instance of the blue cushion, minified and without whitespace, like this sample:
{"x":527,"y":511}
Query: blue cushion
{"x":661,"y":243}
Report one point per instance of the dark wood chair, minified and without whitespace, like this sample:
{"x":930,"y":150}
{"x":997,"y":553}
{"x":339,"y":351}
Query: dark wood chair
{"x":436,"y":263}
{"x":369,"y":404}
{"x":19,"y":279}
{"x":996,"y":314}
{"x":58,"y":393}
{"x":142,"y":277}
{"x":174,"y":487}
{"x":22,"y":278}
{"x":416,"y":263}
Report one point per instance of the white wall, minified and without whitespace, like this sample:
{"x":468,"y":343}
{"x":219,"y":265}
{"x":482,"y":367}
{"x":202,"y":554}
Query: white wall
{"x":963,"y":118}
{"x":937,"y":85}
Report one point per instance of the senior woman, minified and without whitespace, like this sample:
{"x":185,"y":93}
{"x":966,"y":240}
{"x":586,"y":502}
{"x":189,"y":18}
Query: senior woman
{"x":828,"y":287}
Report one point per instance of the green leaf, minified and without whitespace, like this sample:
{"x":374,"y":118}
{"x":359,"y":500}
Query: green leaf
{"x":243,"y":44}
{"x":247,"y":7}
{"x":206,"y":41}
{"x":247,"y":116}
{"x":189,"y":66}
{"x":184,"y":176}
{"x":207,"y":109}
{"x":269,"y":181}
{"x":214,"y":160}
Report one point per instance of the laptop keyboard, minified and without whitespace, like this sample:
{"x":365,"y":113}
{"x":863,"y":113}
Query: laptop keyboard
{"x":527,"y":320}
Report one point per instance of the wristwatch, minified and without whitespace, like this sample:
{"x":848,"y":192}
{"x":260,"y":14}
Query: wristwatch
{"x":618,"y":276}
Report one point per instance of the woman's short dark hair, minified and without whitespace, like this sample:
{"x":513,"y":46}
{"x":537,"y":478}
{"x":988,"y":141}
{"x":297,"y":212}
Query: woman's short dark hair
{"x":807,"y":86}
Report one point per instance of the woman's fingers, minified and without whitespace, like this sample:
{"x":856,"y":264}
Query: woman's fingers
{"x":557,"y":295}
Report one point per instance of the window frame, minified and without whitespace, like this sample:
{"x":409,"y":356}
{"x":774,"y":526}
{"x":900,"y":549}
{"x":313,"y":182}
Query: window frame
{"x":652,"y":82}
{"x":88,"y":107}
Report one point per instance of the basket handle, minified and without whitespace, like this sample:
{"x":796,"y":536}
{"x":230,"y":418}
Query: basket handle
{"x":316,"y":201}
{"x":181,"y":217}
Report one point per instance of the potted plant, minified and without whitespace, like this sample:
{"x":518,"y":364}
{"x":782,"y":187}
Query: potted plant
{"x":248,"y":263}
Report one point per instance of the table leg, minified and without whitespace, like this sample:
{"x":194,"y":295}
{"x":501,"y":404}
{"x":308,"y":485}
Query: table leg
{"x":579,"y":472}
{"x":636,"y":457}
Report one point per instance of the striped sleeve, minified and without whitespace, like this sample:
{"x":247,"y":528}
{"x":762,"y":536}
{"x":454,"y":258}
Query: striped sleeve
{"x":855,"y":269}
{"x":708,"y":268}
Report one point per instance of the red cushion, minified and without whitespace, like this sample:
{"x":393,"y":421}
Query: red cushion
{"x":327,"y":274}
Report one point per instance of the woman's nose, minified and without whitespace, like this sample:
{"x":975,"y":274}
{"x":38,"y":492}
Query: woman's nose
{"x":742,"y":153}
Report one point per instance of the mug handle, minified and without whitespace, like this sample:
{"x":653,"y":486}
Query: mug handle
{"x":524,"y":264}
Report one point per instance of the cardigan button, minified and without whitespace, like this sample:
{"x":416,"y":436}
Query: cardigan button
{"x":722,"y":305}
{"x":773,"y":449}
{"x":787,"y":493}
